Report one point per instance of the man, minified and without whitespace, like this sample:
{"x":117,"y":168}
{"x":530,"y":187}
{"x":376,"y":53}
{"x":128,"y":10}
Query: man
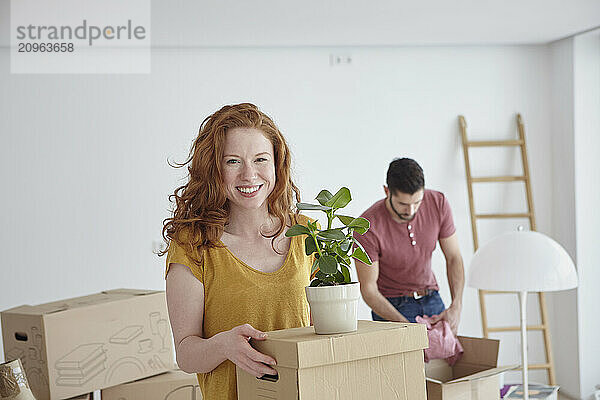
{"x":405,"y":226}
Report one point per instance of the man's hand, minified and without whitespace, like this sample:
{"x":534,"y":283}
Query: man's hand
{"x":452,"y":315}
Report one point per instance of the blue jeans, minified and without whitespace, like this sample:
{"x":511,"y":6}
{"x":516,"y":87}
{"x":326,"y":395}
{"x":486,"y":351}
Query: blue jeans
{"x":429,"y":305}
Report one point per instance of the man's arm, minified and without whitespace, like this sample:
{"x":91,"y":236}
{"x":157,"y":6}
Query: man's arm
{"x":367,"y":276}
{"x":456,"y":280}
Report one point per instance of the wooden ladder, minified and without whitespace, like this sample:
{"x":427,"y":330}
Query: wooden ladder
{"x":526,"y":178}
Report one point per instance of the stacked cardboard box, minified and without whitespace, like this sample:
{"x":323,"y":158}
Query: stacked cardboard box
{"x":173,"y":385}
{"x":381,"y":360}
{"x":75,"y":346}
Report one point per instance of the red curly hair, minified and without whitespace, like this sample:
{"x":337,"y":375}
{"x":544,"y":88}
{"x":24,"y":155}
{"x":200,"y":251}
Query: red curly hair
{"x":201,"y":208}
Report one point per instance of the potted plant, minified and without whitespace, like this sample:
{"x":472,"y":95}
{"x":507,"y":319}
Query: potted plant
{"x":333,"y":298}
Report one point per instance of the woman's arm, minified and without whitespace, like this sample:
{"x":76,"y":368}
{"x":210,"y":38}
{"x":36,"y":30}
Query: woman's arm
{"x":185,"y":301}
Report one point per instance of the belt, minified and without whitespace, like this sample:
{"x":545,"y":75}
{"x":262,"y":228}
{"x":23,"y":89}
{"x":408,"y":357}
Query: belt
{"x":417,"y":294}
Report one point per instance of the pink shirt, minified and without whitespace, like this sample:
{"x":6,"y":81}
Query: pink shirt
{"x":405,"y":259}
{"x":442,"y":342}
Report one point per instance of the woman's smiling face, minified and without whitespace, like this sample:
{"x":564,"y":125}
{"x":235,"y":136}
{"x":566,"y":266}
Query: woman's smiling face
{"x":248,"y":168}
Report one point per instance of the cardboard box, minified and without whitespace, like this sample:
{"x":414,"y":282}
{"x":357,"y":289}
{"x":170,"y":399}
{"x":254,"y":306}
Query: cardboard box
{"x":88,"y":396}
{"x":474,"y":377}
{"x":173,"y":385}
{"x":75,"y":346}
{"x":381,"y":360}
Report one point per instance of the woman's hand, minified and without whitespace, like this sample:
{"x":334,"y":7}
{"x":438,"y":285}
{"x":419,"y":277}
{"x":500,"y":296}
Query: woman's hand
{"x":234,"y":346}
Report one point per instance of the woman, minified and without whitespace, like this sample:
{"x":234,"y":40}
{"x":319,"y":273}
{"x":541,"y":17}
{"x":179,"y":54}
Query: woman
{"x":231,"y":272}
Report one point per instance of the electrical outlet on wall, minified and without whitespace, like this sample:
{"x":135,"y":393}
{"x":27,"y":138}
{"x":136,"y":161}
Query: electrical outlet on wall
{"x":336,"y":59}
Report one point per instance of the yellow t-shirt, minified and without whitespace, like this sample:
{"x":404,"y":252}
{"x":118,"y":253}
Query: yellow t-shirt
{"x":236,"y":294}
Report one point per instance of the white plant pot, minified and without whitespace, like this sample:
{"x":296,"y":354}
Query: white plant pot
{"x":334,"y":308}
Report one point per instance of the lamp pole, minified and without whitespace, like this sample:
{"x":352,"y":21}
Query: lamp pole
{"x":523,"y":303}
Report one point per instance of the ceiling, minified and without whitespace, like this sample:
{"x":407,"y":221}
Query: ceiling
{"x":368,"y":23}
{"x":283,"y":23}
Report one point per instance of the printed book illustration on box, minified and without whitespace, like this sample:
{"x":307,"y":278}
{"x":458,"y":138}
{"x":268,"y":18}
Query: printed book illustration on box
{"x":126,"y":334}
{"x":81,"y":364}
{"x":86,"y":361}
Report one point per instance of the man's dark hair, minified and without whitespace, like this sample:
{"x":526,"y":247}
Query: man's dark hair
{"x":405,"y":175}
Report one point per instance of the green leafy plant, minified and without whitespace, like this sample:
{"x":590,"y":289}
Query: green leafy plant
{"x":332,"y":246}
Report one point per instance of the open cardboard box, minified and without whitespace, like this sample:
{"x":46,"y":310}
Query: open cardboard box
{"x":381,"y":360}
{"x":75,"y":346}
{"x":474,"y":377}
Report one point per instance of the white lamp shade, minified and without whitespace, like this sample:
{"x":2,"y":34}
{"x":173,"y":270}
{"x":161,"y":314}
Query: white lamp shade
{"x":522,"y":261}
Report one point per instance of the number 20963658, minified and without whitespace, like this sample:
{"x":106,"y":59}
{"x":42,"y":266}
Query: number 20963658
{"x":46,"y":48}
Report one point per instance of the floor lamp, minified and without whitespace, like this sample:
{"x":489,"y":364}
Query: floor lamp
{"x":522,"y":262}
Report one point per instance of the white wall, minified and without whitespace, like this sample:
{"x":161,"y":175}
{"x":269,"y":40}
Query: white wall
{"x":564,"y":319}
{"x":84,"y":156}
{"x":586,"y":50}
{"x":575,"y":131}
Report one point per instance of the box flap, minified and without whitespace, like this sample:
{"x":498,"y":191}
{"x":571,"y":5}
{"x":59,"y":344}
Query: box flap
{"x":438,"y":371}
{"x":478,"y":361}
{"x":479,"y":351}
{"x":24,"y":309}
{"x":130,"y":292}
{"x":434,"y":380}
{"x":302,"y":348}
{"x":483,"y":374}
{"x":77,"y":302}
{"x":39,"y":309}
{"x":169,"y":376}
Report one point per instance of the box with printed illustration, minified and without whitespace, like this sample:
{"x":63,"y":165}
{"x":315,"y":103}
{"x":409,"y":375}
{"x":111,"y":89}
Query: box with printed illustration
{"x":75,"y":346}
{"x":173,"y":385}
